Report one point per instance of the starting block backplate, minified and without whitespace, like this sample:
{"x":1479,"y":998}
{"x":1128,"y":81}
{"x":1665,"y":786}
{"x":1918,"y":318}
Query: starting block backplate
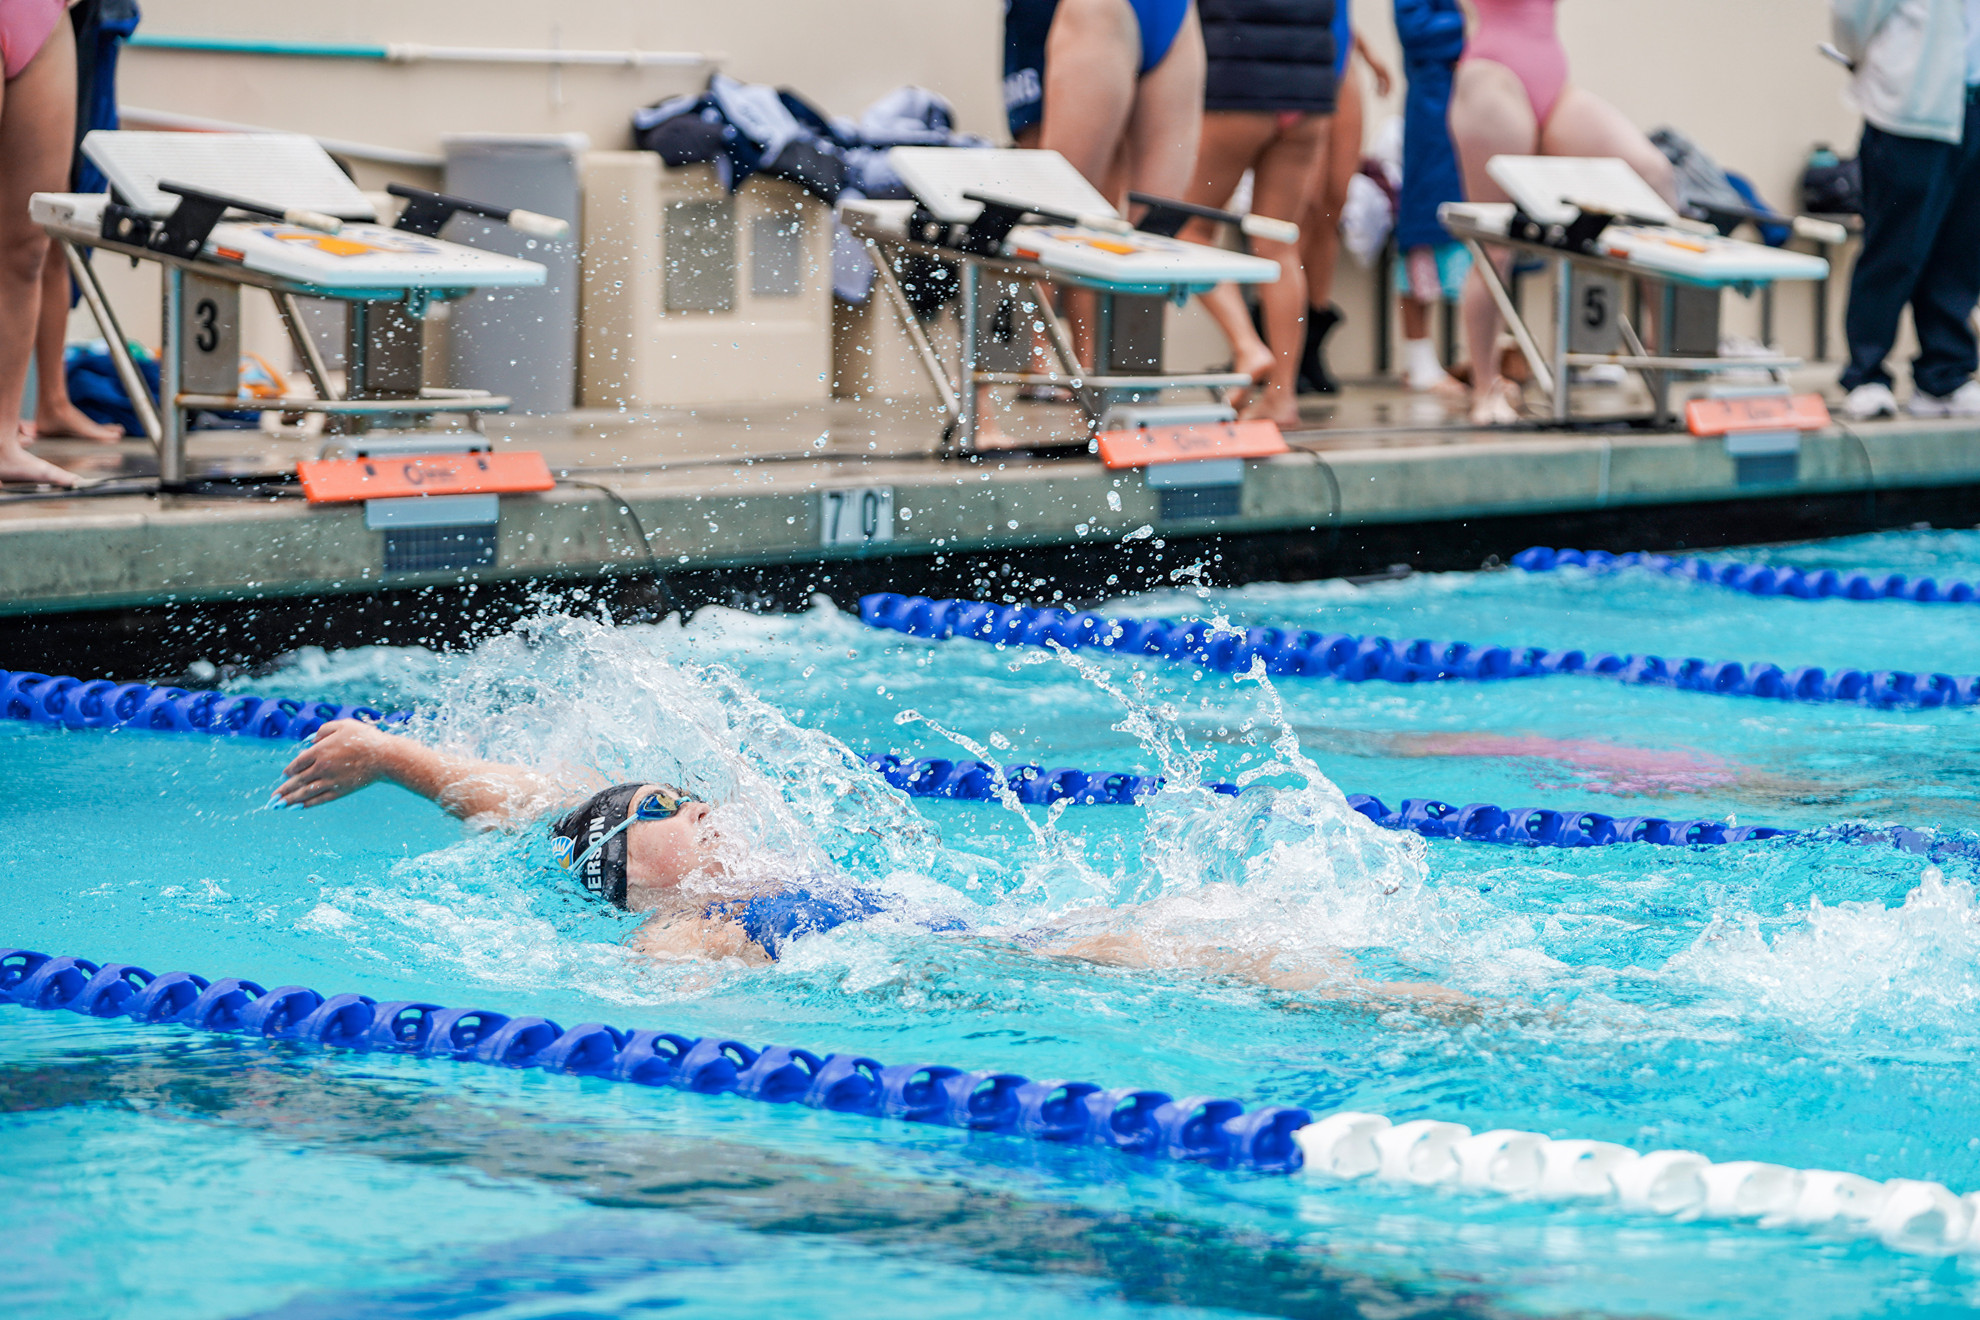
{"x":288,"y":170}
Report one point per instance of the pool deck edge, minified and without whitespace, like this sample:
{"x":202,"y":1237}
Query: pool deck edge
{"x":60,"y":556}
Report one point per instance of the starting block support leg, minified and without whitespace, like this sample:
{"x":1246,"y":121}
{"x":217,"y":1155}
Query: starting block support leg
{"x":1062,"y":347}
{"x":114,"y":341}
{"x":306,"y":350}
{"x":972,"y":279}
{"x":1563,"y":322}
{"x":171,"y":418}
{"x":1542,"y":373}
{"x":912,"y":325}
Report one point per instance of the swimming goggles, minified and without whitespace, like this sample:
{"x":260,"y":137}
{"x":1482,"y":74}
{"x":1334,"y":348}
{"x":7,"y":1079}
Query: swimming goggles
{"x":660,"y":804}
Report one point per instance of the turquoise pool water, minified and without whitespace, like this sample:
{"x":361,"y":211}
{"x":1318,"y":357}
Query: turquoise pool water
{"x":1811,"y":1001}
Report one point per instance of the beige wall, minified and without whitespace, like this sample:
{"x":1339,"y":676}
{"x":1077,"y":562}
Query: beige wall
{"x":841,"y":55}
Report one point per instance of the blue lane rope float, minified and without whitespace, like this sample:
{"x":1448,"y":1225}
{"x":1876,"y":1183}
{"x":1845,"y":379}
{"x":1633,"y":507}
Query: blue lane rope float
{"x":1906,"y":1214}
{"x":1758,"y":579}
{"x":1477,"y":822}
{"x":105,"y":704}
{"x":1200,"y":1129}
{"x":1356,"y":659}
{"x":102,"y":704}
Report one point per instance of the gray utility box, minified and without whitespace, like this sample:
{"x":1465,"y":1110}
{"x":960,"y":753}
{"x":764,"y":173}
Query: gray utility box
{"x":518,"y":342}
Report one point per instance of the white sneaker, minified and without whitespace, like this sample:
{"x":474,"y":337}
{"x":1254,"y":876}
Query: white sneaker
{"x":1962,"y":402}
{"x":1868,"y":401}
{"x":1599,"y":373}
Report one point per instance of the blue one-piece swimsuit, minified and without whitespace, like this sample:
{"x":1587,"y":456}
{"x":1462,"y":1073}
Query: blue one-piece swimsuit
{"x":773,"y":920}
{"x":1160,"y":20}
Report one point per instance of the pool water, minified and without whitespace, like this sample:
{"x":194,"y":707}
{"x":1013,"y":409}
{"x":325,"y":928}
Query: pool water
{"x":1809,"y":1001}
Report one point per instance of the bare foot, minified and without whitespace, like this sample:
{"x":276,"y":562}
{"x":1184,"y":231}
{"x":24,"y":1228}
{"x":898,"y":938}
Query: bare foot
{"x":1277,"y":406}
{"x":17,"y":464}
{"x":1496,"y":405}
{"x":68,"y":422}
{"x":1255,"y":361}
{"x":989,"y":435}
{"x":1443,"y":385}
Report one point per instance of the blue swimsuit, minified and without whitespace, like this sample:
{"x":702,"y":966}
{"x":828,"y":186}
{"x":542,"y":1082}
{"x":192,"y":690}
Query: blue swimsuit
{"x":1160,"y":20}
{"x":773,"y":920}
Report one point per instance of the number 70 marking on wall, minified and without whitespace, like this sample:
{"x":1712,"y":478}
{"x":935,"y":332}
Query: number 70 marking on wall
{"x":856,"y":516}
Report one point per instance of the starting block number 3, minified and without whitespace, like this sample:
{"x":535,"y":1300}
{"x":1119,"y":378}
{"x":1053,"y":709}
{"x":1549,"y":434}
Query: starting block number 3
{"x":858,"y":516}
{"x":210,"y":337}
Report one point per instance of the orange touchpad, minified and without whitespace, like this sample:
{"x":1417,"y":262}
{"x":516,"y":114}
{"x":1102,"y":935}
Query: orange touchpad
{"x":1800,"y":412}
{"x":339,"y":480}
{"x":1181,"y":444}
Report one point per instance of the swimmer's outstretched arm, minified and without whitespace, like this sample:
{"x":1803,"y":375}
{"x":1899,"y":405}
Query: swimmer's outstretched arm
{"x":1332,"y":976}
{"x":347,"y":755}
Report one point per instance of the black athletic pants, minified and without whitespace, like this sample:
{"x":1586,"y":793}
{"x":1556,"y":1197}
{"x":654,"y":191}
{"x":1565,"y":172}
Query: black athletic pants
{"x":1921,"y":245}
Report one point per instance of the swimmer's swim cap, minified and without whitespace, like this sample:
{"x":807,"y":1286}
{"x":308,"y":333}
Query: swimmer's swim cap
{"x":604,"y":872}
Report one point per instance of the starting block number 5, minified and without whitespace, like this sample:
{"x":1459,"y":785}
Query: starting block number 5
{"x":858,"y":516}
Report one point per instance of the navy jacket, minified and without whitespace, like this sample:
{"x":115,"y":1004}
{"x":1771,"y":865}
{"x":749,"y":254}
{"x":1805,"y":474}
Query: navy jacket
{"x":1268,"y":55}
{"x":1432,"y":35}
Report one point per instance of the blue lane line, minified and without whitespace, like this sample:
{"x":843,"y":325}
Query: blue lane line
{"x":1200,"y":1129}
{"x":1758,"y":579}
{"x":1357,"y":659}
{"x":1477,"y":822}
{"x":102,"y":704}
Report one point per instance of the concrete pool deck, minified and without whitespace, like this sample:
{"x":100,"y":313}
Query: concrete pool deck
{"x":732,"y":501}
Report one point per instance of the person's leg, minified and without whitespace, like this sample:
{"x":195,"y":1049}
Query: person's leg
{"x":55,"y":414}
{"x":1281,"y":184}
{"x":37,"y":134}
{"x":1906,"y":183}
{"x":1489,"y":117}
{"x":1092,"y":61}
{"x":1167,"y":118}
{"x":1415,"y":318}
{"x":1421,"y":286}
{"x":1583,"y":124}
{"x":1949,"y":284}
{"x":1091,"y":58}
{"x":1231,"y":143}
{"x":1320,"y":226}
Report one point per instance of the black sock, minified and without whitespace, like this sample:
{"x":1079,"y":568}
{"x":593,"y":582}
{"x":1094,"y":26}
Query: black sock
{"x":1314,"y":378}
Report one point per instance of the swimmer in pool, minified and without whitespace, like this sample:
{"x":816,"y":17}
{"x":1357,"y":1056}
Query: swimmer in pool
{"x":634,"y":845}
{"x":629,"y":844}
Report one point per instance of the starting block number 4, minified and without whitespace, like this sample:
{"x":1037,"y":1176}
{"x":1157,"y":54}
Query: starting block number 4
{"x":860,"y":515}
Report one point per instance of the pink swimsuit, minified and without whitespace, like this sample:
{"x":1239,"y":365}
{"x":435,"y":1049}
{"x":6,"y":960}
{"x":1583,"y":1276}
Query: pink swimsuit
{"x":1519,"y":34}
{"x":24,"y":29}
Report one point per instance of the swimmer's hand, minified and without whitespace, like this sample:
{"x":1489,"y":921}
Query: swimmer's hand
{"x":347,"y":755}
{"x":344,"y":756}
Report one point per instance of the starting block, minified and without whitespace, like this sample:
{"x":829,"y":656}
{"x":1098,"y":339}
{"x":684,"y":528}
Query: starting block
{"x":1599,"y":224}
{"x":1027,"y":218}
{"x":225,"y":211}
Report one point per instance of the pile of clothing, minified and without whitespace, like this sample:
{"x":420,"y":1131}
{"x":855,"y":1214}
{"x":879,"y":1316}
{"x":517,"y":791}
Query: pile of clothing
{"x":743,"y":129}
{"x":748,"y":128}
